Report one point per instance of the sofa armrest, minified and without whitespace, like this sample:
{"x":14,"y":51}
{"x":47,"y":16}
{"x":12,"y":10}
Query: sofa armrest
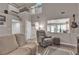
{"x":48,"y":36}
{"x":21,"y":51}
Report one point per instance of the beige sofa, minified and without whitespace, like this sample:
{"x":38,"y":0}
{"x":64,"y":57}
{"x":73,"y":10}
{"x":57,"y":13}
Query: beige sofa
{"x":16,"y":45}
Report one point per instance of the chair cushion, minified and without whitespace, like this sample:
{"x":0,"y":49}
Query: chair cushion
{"x":7,"y":44}
{"x":48,"y":39}
{"x":21,"y":51}
{"x":20,"y":39}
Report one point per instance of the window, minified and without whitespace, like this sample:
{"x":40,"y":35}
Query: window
{"x":36,"y":9}
{"x":58,"y":26}
{"x":15,"y":26}
{"x":52,"y":28}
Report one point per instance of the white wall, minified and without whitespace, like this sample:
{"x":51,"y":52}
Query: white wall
{"x":28,"y":29}
{"x":7,"y":28}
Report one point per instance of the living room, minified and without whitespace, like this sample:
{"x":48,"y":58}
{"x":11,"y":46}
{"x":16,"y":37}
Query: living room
{"x":39,"y":28}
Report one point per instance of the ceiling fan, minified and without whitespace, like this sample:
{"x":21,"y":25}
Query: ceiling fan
{"x":74,"y":24}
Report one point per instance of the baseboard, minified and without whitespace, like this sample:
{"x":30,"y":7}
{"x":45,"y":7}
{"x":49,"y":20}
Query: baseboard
{"x":68,"y":44}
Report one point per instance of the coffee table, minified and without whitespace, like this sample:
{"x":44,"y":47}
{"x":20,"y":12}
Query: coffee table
{"x":57,"y":51}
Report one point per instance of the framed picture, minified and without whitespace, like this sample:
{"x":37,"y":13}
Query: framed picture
{"x":2,"y":18}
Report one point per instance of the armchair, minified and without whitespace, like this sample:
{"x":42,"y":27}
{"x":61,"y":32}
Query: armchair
{"x":42,"y":39}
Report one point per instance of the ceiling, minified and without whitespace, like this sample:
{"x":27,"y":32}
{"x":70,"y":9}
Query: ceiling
{"x":55,"y":10}
{"x":20,"y":5}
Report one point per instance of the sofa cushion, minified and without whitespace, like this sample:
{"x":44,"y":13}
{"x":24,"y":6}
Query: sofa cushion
{"x":21,"y":51}
{"x":7,"y":44}
{"x":20,"y":39}
{"x":32,"y":46}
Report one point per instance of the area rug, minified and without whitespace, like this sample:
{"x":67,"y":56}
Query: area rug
{"x":57,"y":51}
